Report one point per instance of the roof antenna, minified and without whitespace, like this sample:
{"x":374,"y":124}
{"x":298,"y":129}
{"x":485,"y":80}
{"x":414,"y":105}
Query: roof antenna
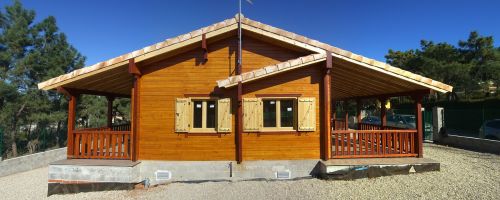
{"x":238,"y":71}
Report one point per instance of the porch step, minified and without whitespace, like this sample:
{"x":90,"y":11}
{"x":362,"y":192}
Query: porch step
{"x":77,"y":175}
{"x":349,"y":169}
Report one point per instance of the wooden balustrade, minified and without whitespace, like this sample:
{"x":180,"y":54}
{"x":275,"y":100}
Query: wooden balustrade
{"x":102,"y":143}
{"x":366,"y":126}
{"x":373,"y":143}
{"x":121,"y":127}
{"x":339,"y":124}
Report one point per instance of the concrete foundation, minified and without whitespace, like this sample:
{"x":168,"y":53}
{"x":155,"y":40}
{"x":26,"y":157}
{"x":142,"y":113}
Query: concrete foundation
{"x":81,"y":175}
{"x":186,"y":171}
{"x":350,"y":169}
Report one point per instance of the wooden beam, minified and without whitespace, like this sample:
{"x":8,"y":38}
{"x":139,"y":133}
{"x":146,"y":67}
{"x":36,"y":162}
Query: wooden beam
{"x":389,"y":95}
{"x":327,"y":147}
{"x":71,"y":125}
{"x":132,"y":68}
{"x":383,"y":113}
{"x":204,"y":47}
{"x":418,"y":116}
{"x":73,"y":91}
{"x":110,"y":111}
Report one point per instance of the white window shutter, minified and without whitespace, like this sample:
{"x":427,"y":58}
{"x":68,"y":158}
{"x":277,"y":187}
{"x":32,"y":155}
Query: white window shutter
{"x":306,"y":114}
{"x":252,"y":114}
{"x":182,"y":115}
{"x":224,"y":115}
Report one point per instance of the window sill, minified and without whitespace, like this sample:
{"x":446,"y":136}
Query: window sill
{"x":198,"y":133}
{"x":277,"y":132}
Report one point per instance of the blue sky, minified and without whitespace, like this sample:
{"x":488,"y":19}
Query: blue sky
{"x":101,"y":30}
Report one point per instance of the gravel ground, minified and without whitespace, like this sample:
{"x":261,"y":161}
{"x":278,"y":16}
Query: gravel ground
{"x":464,"y":175}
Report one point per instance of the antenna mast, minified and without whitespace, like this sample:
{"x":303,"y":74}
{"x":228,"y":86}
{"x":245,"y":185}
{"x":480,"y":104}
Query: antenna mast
{"x":238,"y":70}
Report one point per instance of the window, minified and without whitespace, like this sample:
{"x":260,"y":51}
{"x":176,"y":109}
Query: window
{"x":203,"y":115}
{"x":279,"y":114}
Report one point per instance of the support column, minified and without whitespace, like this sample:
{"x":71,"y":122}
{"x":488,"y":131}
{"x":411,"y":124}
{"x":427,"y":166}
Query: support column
{"x":71,"y":125}
{"x":110,"y":111}
{"x":418,"y":116}
{"x":358,"y":113}
{"x":135,"y":103}
{"x":239,"y":133}
{"x":383,"y":113}
{"x":346,"y":116}
{"x":327,"y":136}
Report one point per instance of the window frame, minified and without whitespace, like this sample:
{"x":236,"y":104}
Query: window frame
{"x":203,"y":128}
{"x":278,"y":114}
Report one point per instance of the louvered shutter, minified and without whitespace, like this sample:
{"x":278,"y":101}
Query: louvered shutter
{"x":252,"y":114}
{"x":306,"y":114}
{"x":182,"y":112}
{"x":224,"y":115}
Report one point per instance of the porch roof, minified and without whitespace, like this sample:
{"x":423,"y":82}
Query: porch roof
{"x":112,"y":75}
{"x":351,"y":77}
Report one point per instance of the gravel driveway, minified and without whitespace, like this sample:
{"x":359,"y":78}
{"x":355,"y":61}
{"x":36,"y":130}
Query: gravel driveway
{"x":464,"y":175}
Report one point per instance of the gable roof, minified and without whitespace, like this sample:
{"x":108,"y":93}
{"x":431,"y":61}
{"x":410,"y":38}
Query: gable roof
{"x":247,"y":25}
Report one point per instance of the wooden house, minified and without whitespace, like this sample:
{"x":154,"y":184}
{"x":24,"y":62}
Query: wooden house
{"x":192,"y":101}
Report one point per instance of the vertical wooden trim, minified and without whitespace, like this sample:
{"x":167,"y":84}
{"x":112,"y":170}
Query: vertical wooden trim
{"x":204,"y":47}
{"x":239,"y":118}
{"x":71,"y":125}
{"x":110,"y":111}
{"x":327,"y":137}
{"x":383,"y":113}
{"x":358,"y":113}
{"x":418,"y":115}
{"x":135,"y":71}
{"x":346,"y":116}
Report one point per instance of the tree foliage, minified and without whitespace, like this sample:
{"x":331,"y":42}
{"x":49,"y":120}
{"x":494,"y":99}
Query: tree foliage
{"x":473,"y":65}
{"x":30,"y":53}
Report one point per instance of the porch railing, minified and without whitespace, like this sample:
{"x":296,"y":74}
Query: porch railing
{"x":339,"y":124}
{"x":366,"y":126}
{"x":103,"y":143}
{"x":373,"y":143}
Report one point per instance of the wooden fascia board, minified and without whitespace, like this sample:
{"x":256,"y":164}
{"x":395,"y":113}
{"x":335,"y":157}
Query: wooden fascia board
{"x":185,"y":43}
{"x":85,"y":75}
{"x":282,"y":38}
{"x":142,"y":57}
{"x":390,"y":73}
{"x":320,"y":50}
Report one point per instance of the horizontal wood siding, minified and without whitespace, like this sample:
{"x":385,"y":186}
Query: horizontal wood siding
{"x":174,"y":77}
{"x":299,"y":145}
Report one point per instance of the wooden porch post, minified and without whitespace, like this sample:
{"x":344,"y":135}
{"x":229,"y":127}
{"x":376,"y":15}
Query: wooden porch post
{"x":418,"y":116}
{"x":239,"y":133}
{"x":346,"y":116}
{"x":383,"y":113}
{"x":358,"y":112}
{"x":327,"y":136}
{"x":134,"y":70}
{"x":110,"y":111}
{"x":71,"y":125}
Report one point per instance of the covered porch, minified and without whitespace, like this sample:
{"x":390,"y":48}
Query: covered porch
{"x":113,"y":141}
{"x":348,"y":81}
